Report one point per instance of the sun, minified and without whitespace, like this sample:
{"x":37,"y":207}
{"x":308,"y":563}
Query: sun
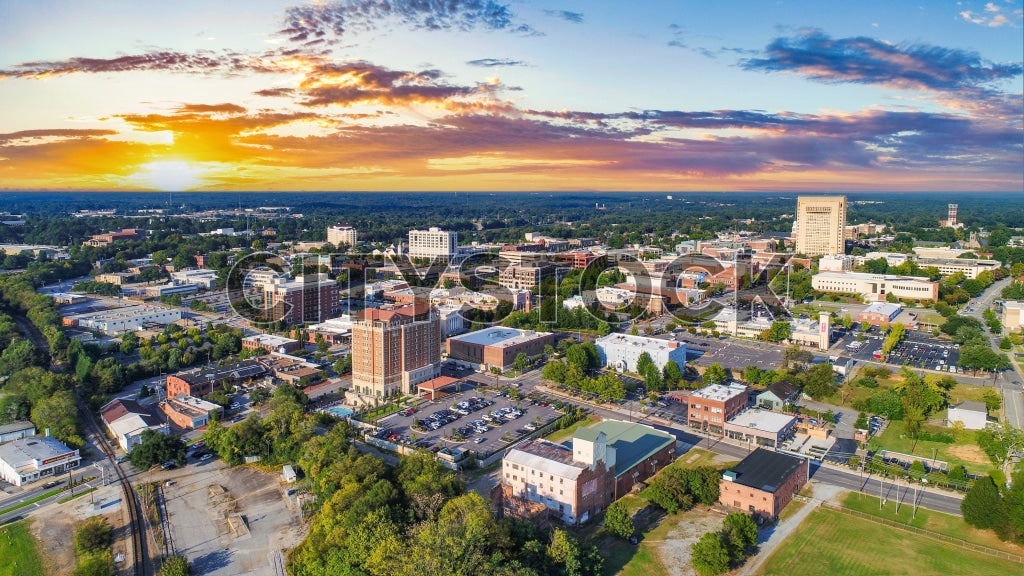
{"x":170,"y":175}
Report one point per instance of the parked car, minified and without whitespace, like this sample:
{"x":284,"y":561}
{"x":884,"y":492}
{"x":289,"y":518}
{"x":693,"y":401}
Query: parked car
{"x":478,"y":440}
{"x":206,"y":457}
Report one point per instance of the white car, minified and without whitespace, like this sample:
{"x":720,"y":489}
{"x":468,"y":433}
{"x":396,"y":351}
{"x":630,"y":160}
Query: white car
{"x":478,"y":440}
{"x":206,"y":457}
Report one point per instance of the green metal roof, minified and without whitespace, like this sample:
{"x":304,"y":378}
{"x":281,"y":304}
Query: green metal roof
{"x":632,"y":442}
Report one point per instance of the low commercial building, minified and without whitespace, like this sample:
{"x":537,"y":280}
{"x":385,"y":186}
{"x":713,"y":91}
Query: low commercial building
{"x":34,"y":457}
{"x":16,"y":430}
{"x":202,"y":381}
{"x":120,"y":320}
{"x":778,"y":395}
{"x":292,"y":370}
{"x":879,"y":313}
{"x":126,"y":420}
{"x":203,"y":278}
{"x":621,"y":351}
{"x":761,"y":428}
{"x":333,"y":330}
{"x":876,"y":286}
{"x":574,"y":483}
{"x":973,"y":415}
{"x":763,"y":483}
{"x":497,"y":346}
{"x":189,"y":412}
{"x":711,"y":406}
{"x":270,"y":343}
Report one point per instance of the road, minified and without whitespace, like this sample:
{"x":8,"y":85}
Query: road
{"x":1009,"y":381}
{"x":827,"y":474}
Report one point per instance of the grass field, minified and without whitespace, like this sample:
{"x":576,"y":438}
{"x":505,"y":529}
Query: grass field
{"x":931,"y":520}
{"x":965,"y":451}
{"x":829,"y":542}
{"x":19,"y":554}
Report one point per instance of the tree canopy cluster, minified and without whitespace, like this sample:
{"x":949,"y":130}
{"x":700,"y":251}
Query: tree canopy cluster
{"x":998,"y":508}
{"x":416,"y":519}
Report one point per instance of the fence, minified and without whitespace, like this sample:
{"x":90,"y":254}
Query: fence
{"x":926,"y":533}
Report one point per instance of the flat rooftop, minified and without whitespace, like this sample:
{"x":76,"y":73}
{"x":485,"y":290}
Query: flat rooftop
{"x":718,"y":392}
{"x":765,"y":470}
{"x":547,"y":456}
{"x":867,"y":276}
{"x":640,"y":342}
{"x":21,"y":452}
{"x":762,"y":420}
{"x":500,"y":337}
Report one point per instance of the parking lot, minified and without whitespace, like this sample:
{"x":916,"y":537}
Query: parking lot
{"x":917,"y":350}
{"x":489,"y":416}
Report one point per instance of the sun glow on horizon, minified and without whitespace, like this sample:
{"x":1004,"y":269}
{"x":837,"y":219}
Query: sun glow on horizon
{"x":170,"y":175}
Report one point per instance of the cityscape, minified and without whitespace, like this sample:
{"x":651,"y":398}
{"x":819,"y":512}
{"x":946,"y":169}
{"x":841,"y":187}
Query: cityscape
{"x":406,"y":288}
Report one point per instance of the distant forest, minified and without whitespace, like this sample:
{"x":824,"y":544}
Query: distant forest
{"x":490,"y":217}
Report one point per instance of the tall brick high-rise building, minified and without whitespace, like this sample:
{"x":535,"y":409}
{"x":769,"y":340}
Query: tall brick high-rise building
{"x":394,"y":349}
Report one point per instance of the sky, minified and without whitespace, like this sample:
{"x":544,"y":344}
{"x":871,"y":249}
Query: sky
{"x":419,"y":95}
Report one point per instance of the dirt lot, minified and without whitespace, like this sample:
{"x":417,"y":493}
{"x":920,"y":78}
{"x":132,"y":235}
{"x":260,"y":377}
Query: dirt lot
{"x":54,"y":527}
{"x":676,"y":535}
{"x":230,"y":521}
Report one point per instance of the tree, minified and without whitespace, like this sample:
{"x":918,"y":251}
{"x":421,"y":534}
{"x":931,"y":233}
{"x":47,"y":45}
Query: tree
{"x":957,"y":475}
{"x":710,"y":555}
{"x":819,"y":382}
{"x":739,"y":532}
{"x":982,"y":506}
{"x":343,"y":365}
{"x":156,"y":448}
{"x":672,"y":374}
{"x":176,"y":566}
{"x":993,"y":400}
{"x":917,"y":470}
{"x":643,"y":362}
{"x":519,"y":364}
{"x":93,"y":536}
{"x":618,"y":521}
{"x":862,"y":421}
{"x":259,"y":396}
{"x":715,"y":374}
{"x":780,"y":330}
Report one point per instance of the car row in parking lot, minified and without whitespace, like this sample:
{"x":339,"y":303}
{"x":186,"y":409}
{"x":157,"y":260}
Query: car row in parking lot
{"x":447,"y":416}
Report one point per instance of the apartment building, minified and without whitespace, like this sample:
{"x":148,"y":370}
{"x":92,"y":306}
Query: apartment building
{"x":339,"y":235}
{"x":820,"y":225}
{"x":394,"y":349}
{"x":432,"y":243}
{"x":308,"y":298}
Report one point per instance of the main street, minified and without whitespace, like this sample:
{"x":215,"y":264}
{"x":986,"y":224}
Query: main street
{"x":930,"y":498}
{"x":1009,"y":381}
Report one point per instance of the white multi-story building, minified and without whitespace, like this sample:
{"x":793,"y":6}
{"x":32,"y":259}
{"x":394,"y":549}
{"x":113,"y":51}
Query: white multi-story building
{"x":876,"y":286}
{"x":820,"y":225}
{"x":29,"y":459}
{"x":432,"y":243}
{"x":339,"y":235}
{"x":970,"y":267}
{"x":835,"y":263}
{"x":621,"y":351}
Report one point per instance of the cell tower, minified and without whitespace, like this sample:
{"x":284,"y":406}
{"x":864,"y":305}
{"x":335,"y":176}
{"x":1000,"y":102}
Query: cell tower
{"x":951,"y":218}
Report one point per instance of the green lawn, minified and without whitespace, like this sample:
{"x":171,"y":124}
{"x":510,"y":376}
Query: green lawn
{"x":829,"y":542}
{"x":559,"y":436}
{"x":965,"y":451}
{"x":929,"y":520}
{"x":19,"y":551}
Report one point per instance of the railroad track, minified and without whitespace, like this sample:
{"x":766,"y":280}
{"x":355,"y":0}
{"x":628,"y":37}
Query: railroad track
{"x":137,"y":526}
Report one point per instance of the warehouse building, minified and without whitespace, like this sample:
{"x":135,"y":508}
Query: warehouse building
{"x":28,"y":459}
{"x":497,"y":346}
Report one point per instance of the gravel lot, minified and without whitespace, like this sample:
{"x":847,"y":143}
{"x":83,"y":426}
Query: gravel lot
{"x":230,"y":521}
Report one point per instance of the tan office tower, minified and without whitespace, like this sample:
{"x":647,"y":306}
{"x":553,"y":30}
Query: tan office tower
{"x":820,"y":222}
{"x":394,"y":349}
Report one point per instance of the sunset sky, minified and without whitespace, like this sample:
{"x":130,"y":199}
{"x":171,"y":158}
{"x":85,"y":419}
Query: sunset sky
{"x":524,"y":95}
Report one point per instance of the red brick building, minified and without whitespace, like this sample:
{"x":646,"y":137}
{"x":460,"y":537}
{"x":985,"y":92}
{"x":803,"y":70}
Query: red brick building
{"x":763,"y":483}
{"x":202,"y":381}
{"x":711,"y":406}
{"x":309,"y":298}
{"x":605,"y":462}
{"x":497,"y":346}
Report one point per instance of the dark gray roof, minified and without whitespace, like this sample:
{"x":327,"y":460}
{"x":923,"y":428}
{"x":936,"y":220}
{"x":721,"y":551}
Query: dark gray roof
{"x":765,"y":470}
